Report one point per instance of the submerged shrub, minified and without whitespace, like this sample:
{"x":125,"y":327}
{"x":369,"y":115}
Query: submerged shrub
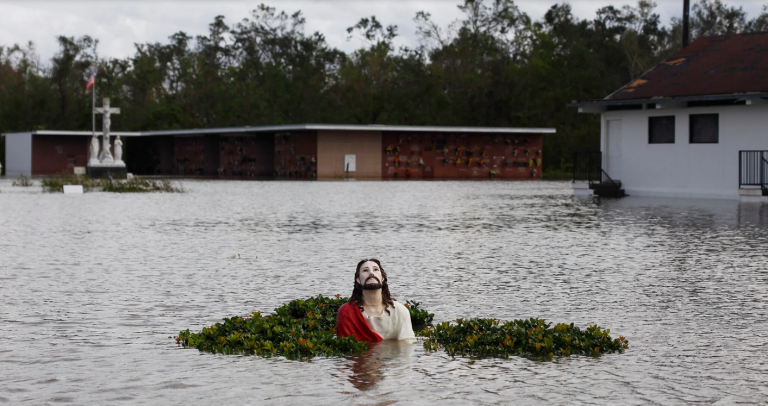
{"x":533,"y":338}
{"x":23,"y":181}
{"x":139,"y":185}
{"x":55,"y":183}
{"x":307,"y":328}
{"x":419,"y":318}
{"x":301,"y":328}
{"x":298,"y":329}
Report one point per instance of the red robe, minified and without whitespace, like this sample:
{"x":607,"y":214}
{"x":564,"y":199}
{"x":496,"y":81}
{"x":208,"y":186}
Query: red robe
{"x":350,"y":321}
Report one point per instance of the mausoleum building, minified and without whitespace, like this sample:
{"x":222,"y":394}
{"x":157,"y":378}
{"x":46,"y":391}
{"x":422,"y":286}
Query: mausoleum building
{"x":305,"y":151}
{"x":694,"y":126}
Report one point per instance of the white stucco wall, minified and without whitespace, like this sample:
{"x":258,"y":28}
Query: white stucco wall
{"x":682,"y":169}
{"x":18,"y":154}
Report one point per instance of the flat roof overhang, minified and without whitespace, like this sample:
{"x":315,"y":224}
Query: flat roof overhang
{"x":630,"y":102}
{"x":78,"y":133}
{"x":305,"y":127}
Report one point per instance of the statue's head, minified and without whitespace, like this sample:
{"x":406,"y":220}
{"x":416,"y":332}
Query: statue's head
{"x":370,"y":275}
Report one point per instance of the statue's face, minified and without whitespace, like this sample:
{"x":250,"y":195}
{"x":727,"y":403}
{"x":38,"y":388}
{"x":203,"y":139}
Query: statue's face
{"x":370,"y":274}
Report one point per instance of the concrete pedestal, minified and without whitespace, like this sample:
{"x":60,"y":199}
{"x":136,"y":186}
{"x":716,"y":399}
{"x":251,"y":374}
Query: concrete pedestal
{"x":106,"y":171}
{"x":752,"y":195}
{"x":582,"y":189}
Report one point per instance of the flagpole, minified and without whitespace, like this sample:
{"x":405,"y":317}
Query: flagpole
{"x":93,"y":105}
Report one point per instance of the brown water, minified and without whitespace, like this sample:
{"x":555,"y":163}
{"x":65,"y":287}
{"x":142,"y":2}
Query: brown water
{"x":92,"y":287}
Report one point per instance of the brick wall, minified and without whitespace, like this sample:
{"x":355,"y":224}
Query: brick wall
{"x":55,"y":154}
{"x":460,"y":156}
{"x":294,"y":153}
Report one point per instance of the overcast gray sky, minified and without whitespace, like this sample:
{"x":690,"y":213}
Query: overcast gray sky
{"x":120,"y":24}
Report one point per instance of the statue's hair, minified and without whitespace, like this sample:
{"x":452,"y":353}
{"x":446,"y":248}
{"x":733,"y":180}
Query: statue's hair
{"x":357,"y":292}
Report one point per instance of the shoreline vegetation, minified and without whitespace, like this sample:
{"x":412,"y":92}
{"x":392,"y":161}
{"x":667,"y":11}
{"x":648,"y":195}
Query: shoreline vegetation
{"x":55,"y":184}
{"x":302,"y":329}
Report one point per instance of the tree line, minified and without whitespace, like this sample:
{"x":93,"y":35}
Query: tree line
{"x":493,"y":67}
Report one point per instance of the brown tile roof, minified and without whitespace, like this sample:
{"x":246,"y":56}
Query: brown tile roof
{"x":722,"y":65}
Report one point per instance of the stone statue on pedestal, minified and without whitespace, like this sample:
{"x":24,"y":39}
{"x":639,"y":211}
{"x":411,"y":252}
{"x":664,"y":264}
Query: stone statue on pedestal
{"x":104,"y":164}
{"x":94,"y":159}
{"x":119,"y":151}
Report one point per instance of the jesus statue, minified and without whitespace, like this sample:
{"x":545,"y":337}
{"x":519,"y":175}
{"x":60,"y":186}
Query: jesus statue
{"x":372,"y":314}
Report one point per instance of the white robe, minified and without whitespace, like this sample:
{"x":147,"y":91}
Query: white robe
{"x":395,"y":325}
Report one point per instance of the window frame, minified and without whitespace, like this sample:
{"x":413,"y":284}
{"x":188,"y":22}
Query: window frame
{"x":691,"y":117}
{"x":650,"y":128}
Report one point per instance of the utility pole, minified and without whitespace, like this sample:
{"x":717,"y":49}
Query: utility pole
{"x":686,"y":27}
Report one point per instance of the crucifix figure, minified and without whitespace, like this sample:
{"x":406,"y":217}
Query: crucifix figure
{"x":106,"y":155}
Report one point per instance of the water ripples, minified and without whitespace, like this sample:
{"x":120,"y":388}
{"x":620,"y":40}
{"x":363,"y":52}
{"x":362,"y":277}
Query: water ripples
{"x":92,"y":287}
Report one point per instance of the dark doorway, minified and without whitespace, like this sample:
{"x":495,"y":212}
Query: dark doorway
{"x":149,"y":155}
{"x":212,"y":154}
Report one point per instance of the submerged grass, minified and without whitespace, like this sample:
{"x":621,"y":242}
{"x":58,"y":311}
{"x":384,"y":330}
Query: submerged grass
{"x":306,"y":328}
{"x":55,"y":183}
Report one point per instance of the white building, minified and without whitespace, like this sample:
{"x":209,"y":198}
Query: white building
{"x":694,"y":126}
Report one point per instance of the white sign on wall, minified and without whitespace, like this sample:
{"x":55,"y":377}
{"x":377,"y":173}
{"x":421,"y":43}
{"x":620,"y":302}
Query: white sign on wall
{"x":349,"y":163}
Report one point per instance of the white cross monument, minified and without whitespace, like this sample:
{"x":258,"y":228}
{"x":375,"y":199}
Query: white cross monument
{"x":105,"y":157}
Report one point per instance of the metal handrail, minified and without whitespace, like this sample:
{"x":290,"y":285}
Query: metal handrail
{"x":753,"y":169}
{"x":764,"y":184}
{"x":609,"y":178}
{"x":587,"y":165}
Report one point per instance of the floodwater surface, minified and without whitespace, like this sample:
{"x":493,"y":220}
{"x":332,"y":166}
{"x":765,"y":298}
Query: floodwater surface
{"x":93,"y":288}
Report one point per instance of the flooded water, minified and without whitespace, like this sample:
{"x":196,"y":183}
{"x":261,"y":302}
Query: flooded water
{"x":94,"y":287}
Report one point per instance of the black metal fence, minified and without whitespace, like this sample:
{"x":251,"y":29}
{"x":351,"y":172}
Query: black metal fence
{"x":753,"y":168}
{"x":588,"y":166}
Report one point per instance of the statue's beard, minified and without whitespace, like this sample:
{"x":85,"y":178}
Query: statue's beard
{"x":371,"y":286}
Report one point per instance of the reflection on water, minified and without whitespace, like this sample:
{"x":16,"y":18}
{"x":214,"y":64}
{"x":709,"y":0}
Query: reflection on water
{"x":93,"y":286}
{"x":366,"y":370}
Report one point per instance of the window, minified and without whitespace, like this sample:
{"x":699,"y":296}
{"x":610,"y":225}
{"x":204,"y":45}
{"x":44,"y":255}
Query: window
{"x":661,"y":130}
{"x":704,"y":129}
